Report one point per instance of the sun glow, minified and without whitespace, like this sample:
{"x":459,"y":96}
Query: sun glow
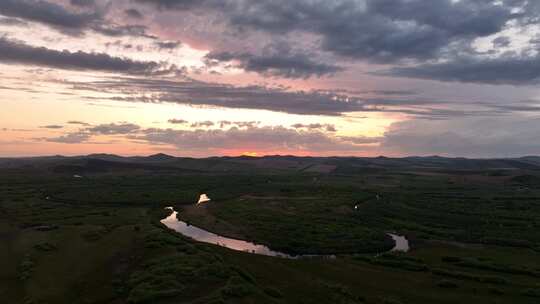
{"x":250,"y":154}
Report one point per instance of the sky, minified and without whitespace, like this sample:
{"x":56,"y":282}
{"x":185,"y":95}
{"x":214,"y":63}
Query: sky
{"x":205,"y":78}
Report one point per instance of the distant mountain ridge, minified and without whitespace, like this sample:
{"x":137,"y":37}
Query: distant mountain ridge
{"x":95,"y":163}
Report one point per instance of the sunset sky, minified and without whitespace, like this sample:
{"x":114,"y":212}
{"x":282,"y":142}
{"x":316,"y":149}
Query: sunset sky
{"x":304,"y":77}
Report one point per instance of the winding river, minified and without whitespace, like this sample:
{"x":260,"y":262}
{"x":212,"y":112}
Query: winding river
{"x":201,"y":235}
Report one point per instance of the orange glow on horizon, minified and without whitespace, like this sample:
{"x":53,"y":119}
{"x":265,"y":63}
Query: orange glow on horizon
{"x":250,"y":154}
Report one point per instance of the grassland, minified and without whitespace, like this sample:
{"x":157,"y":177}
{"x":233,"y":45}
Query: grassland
{"x":97,"y":239}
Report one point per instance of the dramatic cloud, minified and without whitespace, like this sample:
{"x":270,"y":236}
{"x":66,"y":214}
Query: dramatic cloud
{"x":82,"y":2}
{"x":121,"y":30}
{"x":70,"y":138}
{"x":85,"y":134}
{"x":49,"y":13}
{"x":199,"y":93}
{"x":12,"y":21}
{"x":12,"y":52}
{"x":114,"y":129}
{"x":378,"y":30}
{"x":282,"y":64}
{"x":363,"y":62}
{"x":71,"y":21}
{"x":133,"y":13}
{"x":315,"y":126}
{"x":252,"y":138}
{"x":438,"y":35}
{"x":508,"y":69}
{"x":178,"y":4}
{"x":208,"y":94}
{"x":391,"y":92}
{"x":502,"y":41}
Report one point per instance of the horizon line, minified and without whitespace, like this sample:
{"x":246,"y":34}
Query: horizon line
{"x":263,"y":156}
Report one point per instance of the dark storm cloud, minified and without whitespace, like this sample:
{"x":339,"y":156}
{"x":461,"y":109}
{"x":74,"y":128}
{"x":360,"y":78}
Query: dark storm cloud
{"x":199,"y":93}
{"x":435,"y":35}
{"x":283,"y":64}
{"x":502,"y":41}
{"x":12,"y":21}
{"x":382,"y":30}
{"x":82,"y":2}
{"x":178,"y":4}
{"x":12,"y":52}
{"x":48,"y":13}
{"x":534,"y":108}
{"x":509,"y":69}
{"x":391,"y":92}
{"x":70,"y":21}
{"x":377,"y":30}
{"x":114,"y":30}
{"x":133,"y":13}
{"x":473,"y":17}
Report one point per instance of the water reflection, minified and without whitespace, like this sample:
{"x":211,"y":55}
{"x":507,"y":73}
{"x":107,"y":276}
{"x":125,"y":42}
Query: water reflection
{"x":203,"y":198}
{"x":204,"y":236}
{"x":201,"y":235}
{"x":402,"y":244}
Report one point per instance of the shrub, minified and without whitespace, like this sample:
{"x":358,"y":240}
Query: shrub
{"x":470,"y":276}
{"x":273,"y":292}
{"x":342,"y":294}
{"x":237,"y":290}
{"x":46,"y":246}
{"x":146,"y":292}
{"x":451,"y":259}
{"x":245,"y":275}
{"x":25,"y":268}
{"x":391,"y":301}
{"x":495,"y":291}
{"x":531,"y":292}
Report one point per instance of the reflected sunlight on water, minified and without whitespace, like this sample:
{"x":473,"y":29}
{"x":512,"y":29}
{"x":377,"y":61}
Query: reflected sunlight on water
{"x":201,"y":235}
